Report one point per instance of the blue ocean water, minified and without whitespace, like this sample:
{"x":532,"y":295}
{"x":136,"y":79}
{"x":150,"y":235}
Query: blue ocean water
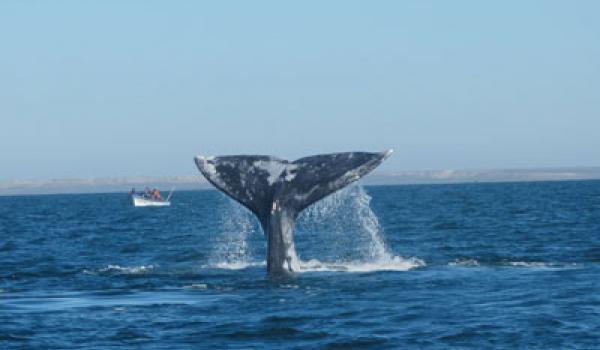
{"x":469,"y":266}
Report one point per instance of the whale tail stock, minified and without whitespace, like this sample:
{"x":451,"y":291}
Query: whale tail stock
{"x":277,"y":190}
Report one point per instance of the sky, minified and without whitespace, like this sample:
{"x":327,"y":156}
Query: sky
{"x":138,"y":88}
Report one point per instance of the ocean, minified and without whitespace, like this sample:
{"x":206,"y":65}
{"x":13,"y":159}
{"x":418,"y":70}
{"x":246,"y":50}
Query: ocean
{"x":465,"y":266}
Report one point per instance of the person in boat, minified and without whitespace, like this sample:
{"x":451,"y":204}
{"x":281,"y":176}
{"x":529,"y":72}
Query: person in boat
{"x":156,"y":194}
{"x":132,"y":191}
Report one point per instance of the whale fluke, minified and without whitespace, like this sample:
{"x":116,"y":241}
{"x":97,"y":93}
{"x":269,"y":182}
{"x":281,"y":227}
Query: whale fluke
{"x":277,"y":190}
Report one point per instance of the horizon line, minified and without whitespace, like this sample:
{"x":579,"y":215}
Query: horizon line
{"x":405,"y":177}
{"x":127,"y":178}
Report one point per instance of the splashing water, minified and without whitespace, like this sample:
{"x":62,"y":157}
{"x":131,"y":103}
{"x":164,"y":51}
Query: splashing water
{"x":232,"y":249}
{"x":345,"y":228}
{"x":347,"y":219}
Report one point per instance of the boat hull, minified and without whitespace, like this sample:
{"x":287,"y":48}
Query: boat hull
{"x":145,"y":202}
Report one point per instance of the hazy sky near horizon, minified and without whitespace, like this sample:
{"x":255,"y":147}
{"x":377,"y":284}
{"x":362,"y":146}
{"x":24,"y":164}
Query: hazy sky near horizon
{"x":125,"y":88}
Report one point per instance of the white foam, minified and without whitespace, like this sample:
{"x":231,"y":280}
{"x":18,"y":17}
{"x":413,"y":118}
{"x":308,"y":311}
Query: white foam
{"x":464,"y":262}
{"x":521,"y":264}
{"x":527,"y":264}
{"x":539,"y":264}
{"x":396,"y":263}
{"x":128,"y":270}
{"x":235,"y":265}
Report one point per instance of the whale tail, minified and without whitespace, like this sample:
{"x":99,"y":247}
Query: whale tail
{"x":277,"y":190}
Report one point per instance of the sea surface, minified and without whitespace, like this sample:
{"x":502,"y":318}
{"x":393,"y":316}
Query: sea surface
{"x":467,"y":266}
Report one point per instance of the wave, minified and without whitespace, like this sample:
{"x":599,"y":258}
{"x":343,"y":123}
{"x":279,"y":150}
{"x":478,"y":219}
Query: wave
{"x":126,"y":269}
{"x":234,"y":265}
{"x":539,"y":264}
{"x":523,"y":264}
{"x":396,"y":263}
{"x":464,"y":262}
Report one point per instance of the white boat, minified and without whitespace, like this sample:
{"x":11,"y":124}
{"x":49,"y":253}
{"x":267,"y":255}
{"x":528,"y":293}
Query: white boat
{"x":146,"y":200}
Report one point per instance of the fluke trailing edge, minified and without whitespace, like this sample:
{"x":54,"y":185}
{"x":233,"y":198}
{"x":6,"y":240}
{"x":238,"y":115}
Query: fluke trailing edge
{"x":277,"y":190}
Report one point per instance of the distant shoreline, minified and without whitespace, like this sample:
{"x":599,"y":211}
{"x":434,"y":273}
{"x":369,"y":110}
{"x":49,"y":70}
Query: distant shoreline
{"x":116,"y":185}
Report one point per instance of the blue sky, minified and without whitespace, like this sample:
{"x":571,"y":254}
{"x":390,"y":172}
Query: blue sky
{"x":124,"y":88}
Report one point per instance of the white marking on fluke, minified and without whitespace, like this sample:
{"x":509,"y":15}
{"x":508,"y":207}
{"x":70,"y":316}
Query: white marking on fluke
{"x":387,"y":153}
